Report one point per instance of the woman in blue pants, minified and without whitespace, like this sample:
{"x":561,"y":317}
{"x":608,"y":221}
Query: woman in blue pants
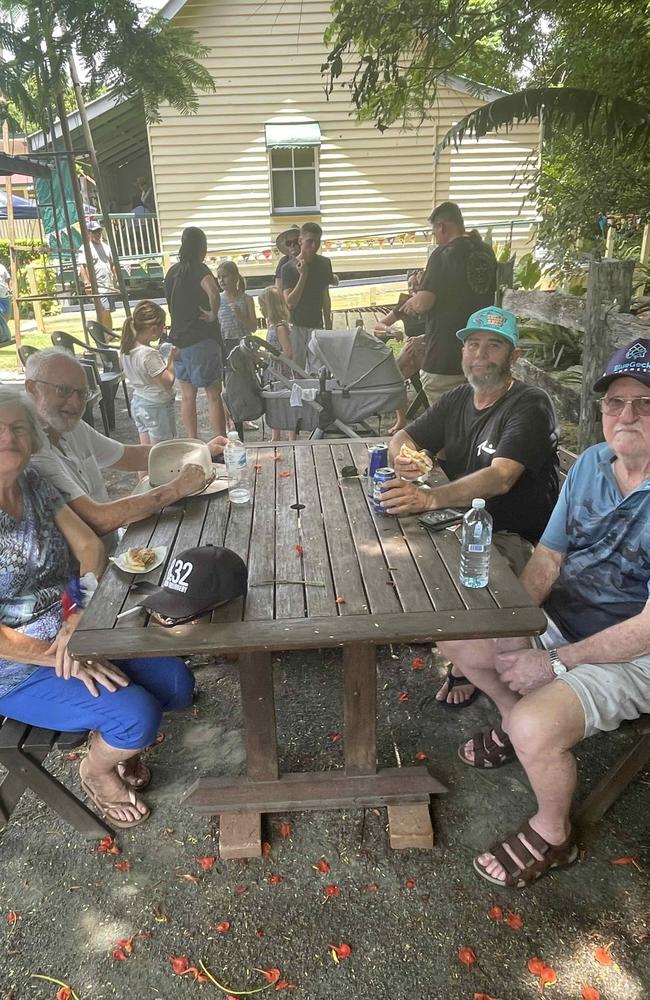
{"x":49,"y":563}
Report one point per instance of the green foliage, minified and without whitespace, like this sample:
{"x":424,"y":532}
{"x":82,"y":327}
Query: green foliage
{"x":26,"y":251}
{"x":527,"y":272}
{"x":121,"y":48}
{"x":45,"y":285}
{"x":550,"y":346}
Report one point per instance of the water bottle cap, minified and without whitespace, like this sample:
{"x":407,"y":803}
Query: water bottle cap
{"x":233,"y":436}
{"x":478,"y":503}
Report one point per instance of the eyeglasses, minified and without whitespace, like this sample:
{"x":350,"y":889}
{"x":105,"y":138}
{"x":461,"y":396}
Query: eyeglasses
{"x":613,"y":406}
{"x":16,"y":430}
{"x":66,"y":391}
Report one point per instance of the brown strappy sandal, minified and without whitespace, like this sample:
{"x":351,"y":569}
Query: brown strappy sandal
{"x":518,"y":876}
{"x":488,"y":755}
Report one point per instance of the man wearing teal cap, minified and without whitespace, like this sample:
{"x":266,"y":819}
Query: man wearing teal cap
{"x":496,"y":438}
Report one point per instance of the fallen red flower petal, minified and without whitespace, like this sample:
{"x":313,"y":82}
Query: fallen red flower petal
{"x":495,"y":913}
{"x":65,"y":993}
{"x":467,"y":956}
{"x":71,"y":757}
{"x":266,"y":848}
{"x":335,"y":737}
{"x":108,"y":846}
{"x":260,"y":932}
{"x":275,"y":879}
{"x":118,"y":955}
{"x":286,"y":830}
{"x":207,"y":862}
{"x":122,"y":866}
{"x":417,"y":663}
{"x":514,"y":920}
{"x":410,"y":883}
{"x":589,"y":993}
{"x":421,"y":755}
{"x":624,"y":861}
{"x":371,"y":887}
{"x":483,"y":996}
{"x":12,"y":917}
{"x":535,"y":966}
{"x":340,"y":600}
{"x":547,"y":977}
{"x":271,"y":975}
{"x":603,"y":956}
{"x":277,"y":458}
{"x":222,"y":927}
{"x":179,"y":963}
{"x":299,"y":549}
{"x":339,"y":952}
{"x":403,"y":696}
{"x":239,"y":890}
{"x":284,"y":984}
{"x":332,"y":890}
{"x":321,"y":866}
{"x":285,"y":474}
{"x":258,"y":466}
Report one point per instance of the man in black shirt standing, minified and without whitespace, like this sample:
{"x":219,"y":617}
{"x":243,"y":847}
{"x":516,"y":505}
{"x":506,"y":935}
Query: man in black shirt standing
{"x":305,"y":284}
{"x":460,"y":278}
{"x":495,"y":438}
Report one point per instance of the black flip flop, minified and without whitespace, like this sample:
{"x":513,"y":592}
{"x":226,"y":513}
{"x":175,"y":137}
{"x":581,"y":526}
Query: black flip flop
{"x":452,"y":682}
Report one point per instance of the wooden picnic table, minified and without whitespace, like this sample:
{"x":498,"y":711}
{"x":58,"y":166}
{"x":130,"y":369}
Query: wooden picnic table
{"x":324,"y":571}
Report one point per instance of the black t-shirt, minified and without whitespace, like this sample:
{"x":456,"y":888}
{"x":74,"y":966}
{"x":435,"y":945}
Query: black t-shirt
{"x":281,"y":263}
{"x":462,"y":276}
{"x":309,"y":311}
{"x":186,"y":298}
{"x":521,"y":426}
{"x":414,"y":326}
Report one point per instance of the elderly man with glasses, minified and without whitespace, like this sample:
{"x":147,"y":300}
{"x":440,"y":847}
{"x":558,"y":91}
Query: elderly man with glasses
{"x":74,"y":454}
{"x":591,"y":574}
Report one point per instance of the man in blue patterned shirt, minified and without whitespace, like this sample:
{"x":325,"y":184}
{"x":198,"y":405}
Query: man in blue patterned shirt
{"x":591,"y":574}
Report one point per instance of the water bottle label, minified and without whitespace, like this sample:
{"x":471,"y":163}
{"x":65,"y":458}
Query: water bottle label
{"x":476,"y":548}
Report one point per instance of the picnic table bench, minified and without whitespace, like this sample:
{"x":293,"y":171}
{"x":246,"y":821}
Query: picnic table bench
{"x":324,"y":571}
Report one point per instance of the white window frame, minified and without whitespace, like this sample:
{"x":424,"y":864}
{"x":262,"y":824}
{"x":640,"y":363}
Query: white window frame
{"x":289,"y":136}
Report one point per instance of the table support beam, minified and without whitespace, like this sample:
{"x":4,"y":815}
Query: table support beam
{"x":360,"y":708}
{"x":258,"y":711}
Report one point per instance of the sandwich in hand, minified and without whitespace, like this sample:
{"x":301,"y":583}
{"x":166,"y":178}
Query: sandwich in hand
{"x":140,"y":558}
{"x":422,"y":459}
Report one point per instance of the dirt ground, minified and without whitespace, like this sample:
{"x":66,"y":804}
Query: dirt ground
{"x":65,"y":907}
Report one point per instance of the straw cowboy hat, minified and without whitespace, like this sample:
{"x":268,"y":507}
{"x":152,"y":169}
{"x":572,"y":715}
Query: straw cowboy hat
{"x":168,"y":458}
{"x":281,"y":238}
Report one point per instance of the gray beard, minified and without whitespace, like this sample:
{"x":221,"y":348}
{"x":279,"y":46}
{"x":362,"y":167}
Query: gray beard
{"x":492,"y":380}
{"x":62,"y":425}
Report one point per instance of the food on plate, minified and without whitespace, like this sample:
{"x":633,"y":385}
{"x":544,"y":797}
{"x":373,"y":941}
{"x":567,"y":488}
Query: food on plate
{"x":423,"y":460}
{"x":140,"y":558}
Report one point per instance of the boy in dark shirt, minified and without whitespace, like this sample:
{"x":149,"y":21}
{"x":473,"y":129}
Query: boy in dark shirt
{"x":305,"y":285}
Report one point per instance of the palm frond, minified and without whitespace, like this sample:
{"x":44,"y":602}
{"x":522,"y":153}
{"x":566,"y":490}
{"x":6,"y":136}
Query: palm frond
{"x":569,"y":108}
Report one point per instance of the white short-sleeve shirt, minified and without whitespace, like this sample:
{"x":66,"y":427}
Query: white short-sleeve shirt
{"x":141,"y":365}
{"x":75,"y":464}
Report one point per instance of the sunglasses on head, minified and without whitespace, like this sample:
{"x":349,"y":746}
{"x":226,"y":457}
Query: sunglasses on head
{"x":292,"y":243}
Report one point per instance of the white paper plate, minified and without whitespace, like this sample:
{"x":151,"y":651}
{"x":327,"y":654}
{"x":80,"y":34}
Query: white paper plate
{"x":121,"y":563}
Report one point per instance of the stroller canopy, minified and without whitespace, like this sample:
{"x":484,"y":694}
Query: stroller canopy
{"x":354,"y":356}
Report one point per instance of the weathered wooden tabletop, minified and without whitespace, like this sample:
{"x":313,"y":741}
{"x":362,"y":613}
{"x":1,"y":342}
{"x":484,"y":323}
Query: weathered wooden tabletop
{"x":324,"y":569}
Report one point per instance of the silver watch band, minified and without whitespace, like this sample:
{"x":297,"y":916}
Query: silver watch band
{"x":559,"y":668}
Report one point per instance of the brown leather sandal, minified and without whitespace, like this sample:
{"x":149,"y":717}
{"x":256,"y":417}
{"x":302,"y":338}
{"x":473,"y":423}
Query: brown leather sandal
{"x":488,"y":755}
{"x":518,"y":876}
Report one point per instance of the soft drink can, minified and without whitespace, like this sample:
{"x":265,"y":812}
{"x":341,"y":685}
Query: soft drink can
{"x":377,"y":459}
{"x":380,"y":477}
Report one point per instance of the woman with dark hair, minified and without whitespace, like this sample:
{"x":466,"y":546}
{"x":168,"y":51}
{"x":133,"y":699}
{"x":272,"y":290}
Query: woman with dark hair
{"x":193,"y":298}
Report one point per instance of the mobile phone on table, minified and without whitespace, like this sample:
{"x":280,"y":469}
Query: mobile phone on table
{"x":436,"y":520}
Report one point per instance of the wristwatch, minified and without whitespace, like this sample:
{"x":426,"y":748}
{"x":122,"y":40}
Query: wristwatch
{"x":559,"y":668}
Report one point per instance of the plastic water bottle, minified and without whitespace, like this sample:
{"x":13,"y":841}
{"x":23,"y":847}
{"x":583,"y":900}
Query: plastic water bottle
{"x":475,"y":546}
{"x":234,"y":455}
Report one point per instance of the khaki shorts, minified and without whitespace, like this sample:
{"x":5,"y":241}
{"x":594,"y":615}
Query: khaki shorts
{"x":436,"y":385}
{"x":515,"y":549}
{"x":610,"y":693}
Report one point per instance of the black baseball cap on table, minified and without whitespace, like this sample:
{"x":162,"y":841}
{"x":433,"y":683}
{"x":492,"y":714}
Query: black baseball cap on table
{"x":197,"y":580}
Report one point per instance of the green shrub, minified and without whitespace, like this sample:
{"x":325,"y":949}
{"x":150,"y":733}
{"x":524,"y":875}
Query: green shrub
{"x":27,"y":252}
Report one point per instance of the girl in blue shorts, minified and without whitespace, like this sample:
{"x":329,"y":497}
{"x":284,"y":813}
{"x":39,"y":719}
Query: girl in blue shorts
{"x":150,"y":376}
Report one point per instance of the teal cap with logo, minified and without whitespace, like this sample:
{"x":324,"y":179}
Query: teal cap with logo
{"x":492,"y":320}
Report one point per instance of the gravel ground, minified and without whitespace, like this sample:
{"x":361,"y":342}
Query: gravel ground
{"x":404,"y":914}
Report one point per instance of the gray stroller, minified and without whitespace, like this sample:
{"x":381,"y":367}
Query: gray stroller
{"x":357,"y":378}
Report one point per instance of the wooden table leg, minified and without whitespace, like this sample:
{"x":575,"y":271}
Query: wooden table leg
{"x":409,"y":824}
{"x":360,"y":708}
{"x":240,"y":833}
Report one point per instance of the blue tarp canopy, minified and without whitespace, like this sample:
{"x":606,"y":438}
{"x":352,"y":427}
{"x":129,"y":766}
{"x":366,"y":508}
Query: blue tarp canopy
{"x":23,"y":209}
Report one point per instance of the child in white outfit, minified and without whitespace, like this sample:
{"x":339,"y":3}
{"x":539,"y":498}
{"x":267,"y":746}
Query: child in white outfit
{"x":150,"y":376}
